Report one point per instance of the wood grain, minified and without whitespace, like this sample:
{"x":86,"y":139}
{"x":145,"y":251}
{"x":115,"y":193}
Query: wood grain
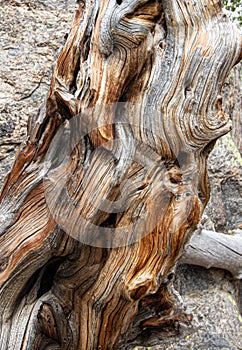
{"x":141,"y":81}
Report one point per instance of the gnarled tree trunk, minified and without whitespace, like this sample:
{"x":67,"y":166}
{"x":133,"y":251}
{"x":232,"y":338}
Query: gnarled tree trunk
{"x":112,"y":179}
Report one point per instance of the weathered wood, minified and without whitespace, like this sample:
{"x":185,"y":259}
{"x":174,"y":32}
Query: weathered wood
{"x":213,"y":249}
{"x":141,"y":81}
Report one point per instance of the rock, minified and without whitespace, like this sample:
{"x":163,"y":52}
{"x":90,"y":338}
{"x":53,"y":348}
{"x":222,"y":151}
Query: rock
{"x":31,"y":33}
{"x":210,"y":296}
{"x":224,"y":209}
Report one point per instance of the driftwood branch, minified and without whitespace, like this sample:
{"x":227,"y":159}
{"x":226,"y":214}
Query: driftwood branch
{"x":212,"y":249}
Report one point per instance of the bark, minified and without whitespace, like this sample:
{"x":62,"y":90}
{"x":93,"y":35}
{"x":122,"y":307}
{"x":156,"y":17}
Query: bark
{"x":94,"y":216}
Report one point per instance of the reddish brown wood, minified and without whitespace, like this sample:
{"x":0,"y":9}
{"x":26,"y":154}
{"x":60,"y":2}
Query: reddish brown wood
{"x":141,"y":81}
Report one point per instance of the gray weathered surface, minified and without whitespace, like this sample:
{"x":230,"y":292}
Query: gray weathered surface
{"x":233,"y":322}
{"x":212,"y":249}
{"x":225,"y":168}
{"x":31,"y":34}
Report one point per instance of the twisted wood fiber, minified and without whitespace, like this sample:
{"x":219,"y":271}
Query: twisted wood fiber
{"x":166,"y":61}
